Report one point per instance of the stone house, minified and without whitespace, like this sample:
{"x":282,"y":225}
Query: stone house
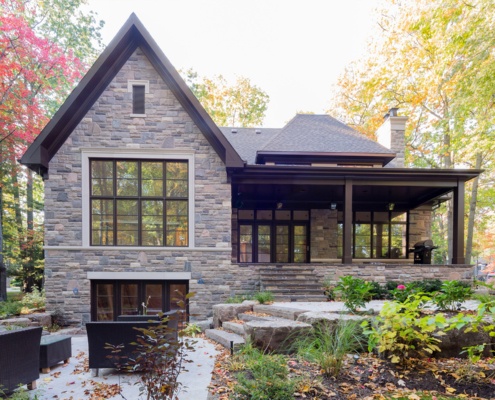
{"x":146,"y":196}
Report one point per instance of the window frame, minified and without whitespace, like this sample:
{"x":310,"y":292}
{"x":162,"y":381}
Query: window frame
{"x":372,"y":223}
{"x":139,"y":198}
{"x":134,"y":155}
{"x":131,"y":84}
{"x":273,"y":223}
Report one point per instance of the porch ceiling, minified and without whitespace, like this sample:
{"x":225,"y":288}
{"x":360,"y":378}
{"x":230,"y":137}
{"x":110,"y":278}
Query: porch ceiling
{"x":373,"y":189}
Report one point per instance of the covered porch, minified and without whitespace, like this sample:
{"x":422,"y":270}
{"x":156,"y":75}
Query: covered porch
{"x":305,"y":214}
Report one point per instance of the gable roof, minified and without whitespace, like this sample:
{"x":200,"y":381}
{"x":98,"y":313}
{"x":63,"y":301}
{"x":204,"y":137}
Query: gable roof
{"x":132,"y":35}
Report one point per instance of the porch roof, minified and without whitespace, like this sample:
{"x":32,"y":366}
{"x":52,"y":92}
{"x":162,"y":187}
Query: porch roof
{"x":373,"y":189}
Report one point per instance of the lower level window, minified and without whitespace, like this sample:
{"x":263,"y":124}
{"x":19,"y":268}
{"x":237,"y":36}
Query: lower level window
{"x":109,"y":299}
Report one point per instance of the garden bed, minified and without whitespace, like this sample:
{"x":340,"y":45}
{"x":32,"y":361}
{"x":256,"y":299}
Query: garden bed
{"x":369,"y":377}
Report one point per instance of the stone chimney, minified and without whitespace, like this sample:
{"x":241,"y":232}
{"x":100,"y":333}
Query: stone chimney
{"x":392,"y":135}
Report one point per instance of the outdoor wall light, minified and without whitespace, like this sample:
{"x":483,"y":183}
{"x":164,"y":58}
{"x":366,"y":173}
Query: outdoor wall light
{"x":391,"y":206}
{"x":333,"y":206}
{"x":279,"y":205}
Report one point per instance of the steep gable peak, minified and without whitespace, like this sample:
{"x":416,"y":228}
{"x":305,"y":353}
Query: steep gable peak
{"x":132,"y":35}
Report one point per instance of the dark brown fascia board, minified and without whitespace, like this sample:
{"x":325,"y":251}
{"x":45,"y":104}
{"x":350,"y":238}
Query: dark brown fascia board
{"x":277,"y":174}
{"x":133,"y":34}
{"x":292,"y":156}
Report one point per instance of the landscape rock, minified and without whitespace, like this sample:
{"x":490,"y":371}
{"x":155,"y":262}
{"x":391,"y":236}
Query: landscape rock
{"x":454,"y":341}
{"x":281,"y":312}
{"x":41,"y":319}
{"x":228,"y":312}
{"x":315,"y":317}
{"x":276,"y":336}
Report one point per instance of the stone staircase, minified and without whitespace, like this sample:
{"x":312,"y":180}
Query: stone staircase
{"x":292,"y":283}
{"x":266,"y":325}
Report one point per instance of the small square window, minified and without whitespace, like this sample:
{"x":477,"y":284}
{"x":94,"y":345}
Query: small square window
{"x":138,"y":92}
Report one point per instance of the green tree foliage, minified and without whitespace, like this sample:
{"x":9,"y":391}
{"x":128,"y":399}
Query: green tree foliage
{"x":241,"y":105}
{"x":435,"y":61}
{"x":45,"y":48}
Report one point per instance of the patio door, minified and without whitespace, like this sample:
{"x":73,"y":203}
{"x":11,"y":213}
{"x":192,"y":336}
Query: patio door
{"x":109,"y":299}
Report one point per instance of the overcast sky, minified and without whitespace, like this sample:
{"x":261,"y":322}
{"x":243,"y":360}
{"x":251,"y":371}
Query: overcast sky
{"x":292,"y":49}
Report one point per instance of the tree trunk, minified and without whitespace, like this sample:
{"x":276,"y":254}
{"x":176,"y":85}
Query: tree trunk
{"x":472,"y":212}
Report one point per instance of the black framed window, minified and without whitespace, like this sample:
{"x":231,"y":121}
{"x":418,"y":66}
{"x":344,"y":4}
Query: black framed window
{"x":111,"y":298}
{"x":139,"y":203}
{"x":138,"y":99}
{"x":273,"y":236}
{"x":377,"y":235}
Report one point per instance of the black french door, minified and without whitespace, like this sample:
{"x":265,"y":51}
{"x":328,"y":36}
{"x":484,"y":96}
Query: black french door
{"x":111,"y":298}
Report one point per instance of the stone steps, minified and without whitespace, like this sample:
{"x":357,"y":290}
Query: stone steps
{"x":292,"y":283}
{"x":227,"y":339}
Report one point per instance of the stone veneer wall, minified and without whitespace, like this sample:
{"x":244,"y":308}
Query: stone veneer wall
{"x":419,"y":225}
{"x":323,"y":233}
{"x":370,"y":272}
{"x":395,"y":272}
{"x":167,"y":126}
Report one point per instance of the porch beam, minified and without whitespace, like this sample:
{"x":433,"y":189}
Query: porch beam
{"x":347,"y":234}
{"x":458,"y":225}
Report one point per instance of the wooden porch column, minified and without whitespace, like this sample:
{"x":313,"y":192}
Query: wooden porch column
{"x":458,"y":225}
{"x":347,"y":234}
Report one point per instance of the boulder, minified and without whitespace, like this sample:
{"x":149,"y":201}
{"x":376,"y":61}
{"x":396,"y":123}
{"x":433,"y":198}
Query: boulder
{"x":315,"y":317}
{"x":280,"y":312}
{"x":228,"y":312}
{"x":41,"y":319}
{"x":277,"y":336}
{"x":454,"y":341}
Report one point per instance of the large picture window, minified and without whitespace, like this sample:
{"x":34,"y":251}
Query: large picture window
{"x":139,"y":203}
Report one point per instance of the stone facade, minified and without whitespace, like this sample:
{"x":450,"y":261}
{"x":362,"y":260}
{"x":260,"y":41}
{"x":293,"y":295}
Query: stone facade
{"x":323,"y":234}
{"x":168,"y":127}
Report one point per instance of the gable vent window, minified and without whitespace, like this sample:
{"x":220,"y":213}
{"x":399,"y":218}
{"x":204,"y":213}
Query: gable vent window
{"x":138,"y":99}
{"x":139,"y":89}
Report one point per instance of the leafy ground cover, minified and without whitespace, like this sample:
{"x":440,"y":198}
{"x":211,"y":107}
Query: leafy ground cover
{"x":370,"y":377}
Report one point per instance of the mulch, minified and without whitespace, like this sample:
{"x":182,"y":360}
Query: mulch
{"x":370,"y":377}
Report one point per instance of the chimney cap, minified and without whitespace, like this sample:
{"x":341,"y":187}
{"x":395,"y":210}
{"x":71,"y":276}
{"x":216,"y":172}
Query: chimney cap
{"x":393,"y":111}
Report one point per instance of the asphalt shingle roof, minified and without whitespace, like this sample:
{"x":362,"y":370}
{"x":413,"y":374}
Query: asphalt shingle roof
{"x":322,"y":134}
{"x":308,"y":133}
{"x":247,"y":141}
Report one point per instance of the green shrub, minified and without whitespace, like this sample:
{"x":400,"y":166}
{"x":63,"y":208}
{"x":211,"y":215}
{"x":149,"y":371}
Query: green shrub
{"x":191,"y":330}
{"x":378,"y":292}
{"x":35,"y":299}
{"x":355,"y":292}
{"x":328,"y":344}
{"x":400,"y":330}
{"x":266,"y":376}
{"x":451,"y":295}
{"x":264,"y":297}
{"x":428,"y":285}
{"x":237,"y":299}
{"x":10,"y":308}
